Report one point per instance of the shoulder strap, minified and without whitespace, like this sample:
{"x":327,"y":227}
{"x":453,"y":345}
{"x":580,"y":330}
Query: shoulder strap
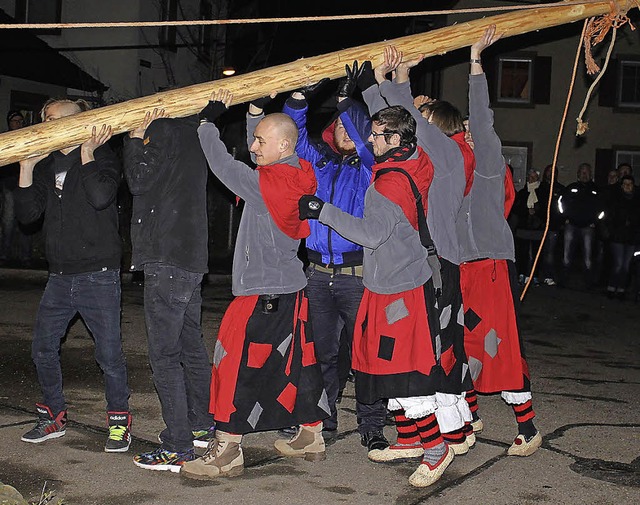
{"x":423,"y":228}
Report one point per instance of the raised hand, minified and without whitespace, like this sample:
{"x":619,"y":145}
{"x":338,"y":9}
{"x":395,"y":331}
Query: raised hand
{"x":488,"y":37}
{"x":392,"y":58}
{"x":98,"y":138}
{"x":403,"y":68}
{"x":218,"y":104}
{"x":348,"y":85}
{"x":257,"y":106}
{"x":149,"y":118}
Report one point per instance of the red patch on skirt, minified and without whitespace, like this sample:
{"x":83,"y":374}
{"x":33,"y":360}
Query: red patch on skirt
{"x":288,"y":397}
{"x":258,"y":354}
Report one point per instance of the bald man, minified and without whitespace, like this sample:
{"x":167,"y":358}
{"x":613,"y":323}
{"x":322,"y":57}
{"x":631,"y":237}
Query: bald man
{"x":265,"y":375}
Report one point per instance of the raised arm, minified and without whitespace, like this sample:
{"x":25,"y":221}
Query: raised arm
{"x":296,"y":107}
{"x":488,"y":148}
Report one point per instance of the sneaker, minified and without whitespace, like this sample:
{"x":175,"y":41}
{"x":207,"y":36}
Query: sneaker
{"x":201,"y":438}
{"x":161,"y":459}
{"x":521,"y":280}
{"x":523,"y":446}
{"x":549,"y":282}
{"x":307,"y":443}
{"x":396,"y":453}
{"x":223,"y":458}
{"x":374,"y":440}
{"x":119,"y":437}
{"x":426,"y":474}
{"x":288,"y":432}
{"x":47,"y":426}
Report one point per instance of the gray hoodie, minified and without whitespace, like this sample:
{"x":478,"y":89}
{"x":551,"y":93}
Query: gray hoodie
{"x":394,"y":258}
{"x":482,"y":229}
{"x":447,"y":188}
{"x":265,"y":260}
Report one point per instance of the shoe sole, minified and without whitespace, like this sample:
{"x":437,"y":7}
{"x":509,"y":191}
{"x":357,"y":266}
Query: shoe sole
{"x":161,"y":468}
{"x":56,"y":434}
{"x":119,"y":449}
{"x":234,"y":472}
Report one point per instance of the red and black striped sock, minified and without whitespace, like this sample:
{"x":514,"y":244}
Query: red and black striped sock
{"x":467,"y":429}
{"x":455,"y":437}
{"x":429,"y":431}
{"x":524,"y":417}
{"x":472,"y":400}
{"x":407,"y":429}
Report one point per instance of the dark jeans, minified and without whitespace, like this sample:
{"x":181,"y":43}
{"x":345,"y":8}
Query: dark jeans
{"x":96,"y":297}
{"x":333,"y":304}
{"x":621,"y":255}
{"x":178,"y":357}
{"x":585,"y":237}
{"x":549,"y":256}
{"x":526,"y":251}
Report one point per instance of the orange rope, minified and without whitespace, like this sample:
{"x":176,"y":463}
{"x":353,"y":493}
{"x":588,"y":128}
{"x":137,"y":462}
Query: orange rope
{"x":555,"y":159}
{"x":299,"y":19}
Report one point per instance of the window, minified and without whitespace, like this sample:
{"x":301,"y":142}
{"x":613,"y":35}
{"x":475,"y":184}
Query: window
{"x":37,"y":11}
{"x":630,"y":157}
{"x":168,"y":12}
{"x":629,"y":84}
{"x":517,"y":155}
{"x":514,"y":79}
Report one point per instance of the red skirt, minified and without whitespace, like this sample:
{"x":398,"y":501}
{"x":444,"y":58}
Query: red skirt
{"x":492,"y":340}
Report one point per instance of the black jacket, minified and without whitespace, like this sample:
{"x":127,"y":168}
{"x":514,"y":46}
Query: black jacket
{"x":81,"y":221}
{"x":167,"y":176}
{"x":581,"y":204}
{"x":623,"y":219}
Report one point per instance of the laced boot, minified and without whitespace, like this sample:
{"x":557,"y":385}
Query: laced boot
{"x":223,"y":458}
{"x":307,"y":443}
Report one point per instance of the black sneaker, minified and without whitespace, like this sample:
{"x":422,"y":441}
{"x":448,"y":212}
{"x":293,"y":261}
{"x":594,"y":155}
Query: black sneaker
{"x":288,"y":432}
{"x":47,"y":426}
{"x":119,"y":432}
{"x":161,"y":459}
{"x":374,"y":440}
{"x":201,"y":438}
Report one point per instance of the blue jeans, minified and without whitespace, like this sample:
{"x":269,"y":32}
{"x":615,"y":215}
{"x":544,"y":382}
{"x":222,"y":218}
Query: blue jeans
{"x":178,"y":357}
{"x":334,"y":300}
{"x":96,"y":297}
{"x":621,"y":255}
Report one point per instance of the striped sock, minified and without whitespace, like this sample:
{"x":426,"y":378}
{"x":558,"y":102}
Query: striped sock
{"x":524,"y":417}
{"x":407,"y":430}
{"x":472,"y":400}
{"x":467,"y":429}
{"x":429,"y":431}
{"x":455,"y":437}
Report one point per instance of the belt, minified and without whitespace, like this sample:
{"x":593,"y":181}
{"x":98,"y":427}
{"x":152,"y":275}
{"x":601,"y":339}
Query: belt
{"x":354,"y":270}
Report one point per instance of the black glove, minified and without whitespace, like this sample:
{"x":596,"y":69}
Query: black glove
{"x":366,"y":78}
{"x":261,"y":102}
{"x":212,"y":111}
{"x":312,"y":89}
{"x":309,"y":207}
{"x":348,"y":85}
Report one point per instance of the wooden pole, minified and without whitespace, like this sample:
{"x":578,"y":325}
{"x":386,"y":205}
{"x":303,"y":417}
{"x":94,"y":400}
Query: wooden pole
{"x":73,"y":130}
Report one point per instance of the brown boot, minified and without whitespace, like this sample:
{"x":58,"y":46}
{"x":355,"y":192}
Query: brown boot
{"x":307,"y":443}
{"x":223,"y":459}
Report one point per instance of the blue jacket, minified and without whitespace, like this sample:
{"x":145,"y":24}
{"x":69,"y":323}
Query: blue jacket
{"x":341,"y":182}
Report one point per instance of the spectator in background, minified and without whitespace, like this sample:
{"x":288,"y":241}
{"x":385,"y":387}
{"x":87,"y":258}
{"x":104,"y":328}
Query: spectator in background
{"x":624,"y":169}
{"x":549,"y":272}
{"x":623,"y":219}
{"x":9,"y":182}
{"x":581,"y":208}
{"x":528,"y":216}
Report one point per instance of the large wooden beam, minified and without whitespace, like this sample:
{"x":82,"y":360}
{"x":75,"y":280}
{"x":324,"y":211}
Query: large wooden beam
{"x":66,"y":132}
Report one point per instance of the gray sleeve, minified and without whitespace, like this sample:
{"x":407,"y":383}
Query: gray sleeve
{"x":234,"y":174}
{"x":381,"y":216}
{"x":488,"y":148}
{"x":252,"y":122}
{"x":374,"y":100}
{"x":440,"y":148}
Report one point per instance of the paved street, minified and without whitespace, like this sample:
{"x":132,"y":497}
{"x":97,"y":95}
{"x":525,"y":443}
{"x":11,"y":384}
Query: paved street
{"x":583,"y":353}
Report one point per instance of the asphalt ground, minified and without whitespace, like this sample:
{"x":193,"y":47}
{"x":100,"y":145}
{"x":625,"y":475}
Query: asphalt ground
{"x":583,"y":352}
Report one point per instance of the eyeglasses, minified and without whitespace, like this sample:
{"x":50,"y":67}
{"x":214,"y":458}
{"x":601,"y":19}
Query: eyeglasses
{"x":374,"y":134}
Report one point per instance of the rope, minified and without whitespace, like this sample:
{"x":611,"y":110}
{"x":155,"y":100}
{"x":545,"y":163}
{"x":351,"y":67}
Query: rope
{"x":555,"y":159}
{"x":298,"y":19}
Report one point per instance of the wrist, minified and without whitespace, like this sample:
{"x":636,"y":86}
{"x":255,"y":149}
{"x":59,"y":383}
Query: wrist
{"x":476,"y":60}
